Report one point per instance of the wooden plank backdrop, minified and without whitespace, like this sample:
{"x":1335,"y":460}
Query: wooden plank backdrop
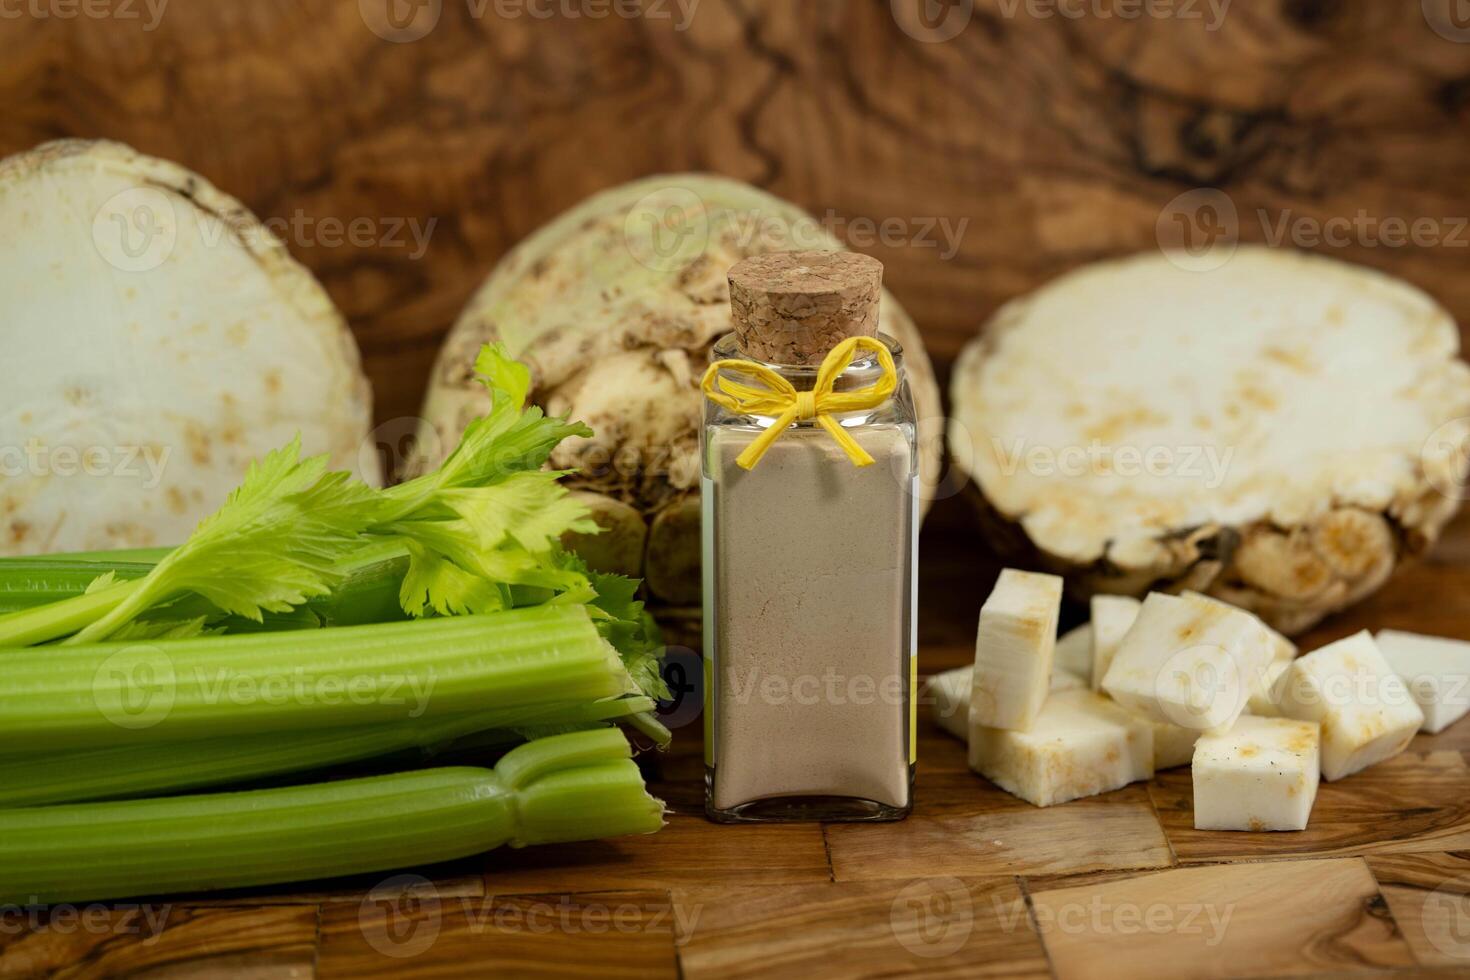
{"x":1042,"y":134}
{"x":1039,"y":136}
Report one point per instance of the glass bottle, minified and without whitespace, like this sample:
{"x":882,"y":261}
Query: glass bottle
{"x":809,"y":559}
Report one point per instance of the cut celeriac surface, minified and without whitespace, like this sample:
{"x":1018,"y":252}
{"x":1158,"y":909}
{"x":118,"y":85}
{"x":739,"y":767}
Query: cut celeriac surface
{"x":1190,"y":662}
{"x":1285,"y":650}
{"x":1173,"y":744}
{"x":1081,"y":744}
{"x":1262,"y":702}
{"x":949,"y":701}
{"x":1073,"y":652}
{"x":1112,"y":618}
{"x":1436,"y":670}
{"x":1014,"y":648}
{"x":949,"y":696}
{"x":157,"y":337}
{"x":1260,"y":775}
{"x":1278,"y":432}
{"x":1366,"y":711}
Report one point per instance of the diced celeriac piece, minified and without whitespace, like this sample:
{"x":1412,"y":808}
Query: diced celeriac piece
{"x":1285,"y":653}
{"x":1112,"y":617}
{"x":1366,"y":712}
{"x":1081,"y":745}
{"x":1260,"y":775}
{"x":1173,"y":744}
{"x":1074,"y":652}
{"x":1014,"y":647}
{"x":1189,"y":661}
{"x":1065,"y":680}
{"x":949,"y":694}
{"x":1263,"y":702}
{"x":1436,"y":670}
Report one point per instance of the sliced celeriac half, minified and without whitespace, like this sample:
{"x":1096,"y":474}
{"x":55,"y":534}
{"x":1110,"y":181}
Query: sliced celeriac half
{"x":1366,"y":711}
{"x":1260,"y":775}
{"x":1189,"y":662}
{"x":1280,"y":431}
{"x":1436,"y":670}
{"x":155,"y":338}
{"x":1081,"y":744}
{"x":1112,"y":618}
{"x":1014,"y":647}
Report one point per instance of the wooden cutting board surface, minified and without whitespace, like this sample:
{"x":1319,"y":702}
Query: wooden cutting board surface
{"x":974,"y":883}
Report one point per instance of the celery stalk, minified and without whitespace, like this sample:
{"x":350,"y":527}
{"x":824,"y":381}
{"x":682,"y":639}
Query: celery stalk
{"x":28,"y":626}
{"x":87,"y":696}
{"x":51,"y":594}
{"x":580,"y":786}
{"x":29,"y":582}
{"x":128,"y":770}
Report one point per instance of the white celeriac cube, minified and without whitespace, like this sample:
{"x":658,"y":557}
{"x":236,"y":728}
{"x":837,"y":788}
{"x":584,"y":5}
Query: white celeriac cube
{"x":1074,"y":652}
{"x":1436,"y":671}
{"x":1189,"y":661}
{"x":1112,"y":617}
{"x":1285,"y":649}
{"x":1173,"y":744}
{"x":1014,"y":648}
{"x":1285,"y":653}
{"x":949,"y":694}
{"x":1260,"y":775}
{"x":1080,"y":745}
{"x":1262,"y":702}
{"x":1065,"y":680}
{"x":1366,"y":712}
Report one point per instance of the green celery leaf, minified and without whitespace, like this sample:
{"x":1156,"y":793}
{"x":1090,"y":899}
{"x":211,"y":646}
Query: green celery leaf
{"x":437,"y":584}
{"x":276,"y":542}
{"x":531,"y":508}
{"x":512,"y":438}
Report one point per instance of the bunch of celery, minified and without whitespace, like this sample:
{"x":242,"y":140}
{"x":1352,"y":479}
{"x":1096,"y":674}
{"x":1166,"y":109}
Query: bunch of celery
{"x":137,"y":673}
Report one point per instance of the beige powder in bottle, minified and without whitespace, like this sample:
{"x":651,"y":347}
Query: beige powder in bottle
{"x":812,"y":692}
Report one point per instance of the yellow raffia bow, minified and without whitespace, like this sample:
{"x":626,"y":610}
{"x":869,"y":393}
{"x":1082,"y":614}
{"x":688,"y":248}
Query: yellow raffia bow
{"x":780,"y":398}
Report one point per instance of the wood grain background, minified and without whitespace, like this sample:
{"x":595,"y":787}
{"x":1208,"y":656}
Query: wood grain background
{"x":1046,"y":133}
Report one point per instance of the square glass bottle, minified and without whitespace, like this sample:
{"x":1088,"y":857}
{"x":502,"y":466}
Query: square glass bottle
{"x":810,"y":545}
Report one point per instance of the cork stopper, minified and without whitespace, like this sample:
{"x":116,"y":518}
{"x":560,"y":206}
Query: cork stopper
{"x":794,"y":307}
